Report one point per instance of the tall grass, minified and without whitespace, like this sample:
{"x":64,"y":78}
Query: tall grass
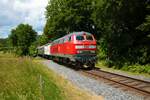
{"x":24,"y":78}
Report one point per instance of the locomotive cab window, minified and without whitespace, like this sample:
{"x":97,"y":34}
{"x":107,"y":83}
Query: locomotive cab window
{"x":80,"y":37}
{"x":69,"y":39}
{"x":89,"y":37}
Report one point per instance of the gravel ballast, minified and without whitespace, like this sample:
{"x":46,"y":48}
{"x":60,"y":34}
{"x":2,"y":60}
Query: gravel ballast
{"x":89,"y":84}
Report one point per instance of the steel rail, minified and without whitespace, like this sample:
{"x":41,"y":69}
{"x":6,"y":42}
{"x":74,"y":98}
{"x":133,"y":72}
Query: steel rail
{"x":100,"y":75}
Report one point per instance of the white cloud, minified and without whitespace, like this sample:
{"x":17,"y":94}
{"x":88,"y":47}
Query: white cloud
{"x":14,"y":12}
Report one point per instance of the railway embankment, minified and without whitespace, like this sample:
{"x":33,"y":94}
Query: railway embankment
{"x":90,"y":84}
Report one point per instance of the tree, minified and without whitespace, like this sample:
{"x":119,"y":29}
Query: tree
{"x":64,"y":16}
{"x":3,"y":42}
{"x":145,"y":26}
{"x":33,"y":49}
{"x":42,"y":39}
{"x":22,"y":37}
{"x":117,"y":21}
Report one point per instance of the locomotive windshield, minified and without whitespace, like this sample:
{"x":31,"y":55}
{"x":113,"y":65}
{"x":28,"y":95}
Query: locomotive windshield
{"x":89,"y":37}
{"x":84,"y":37}
{"x":80,"y":37}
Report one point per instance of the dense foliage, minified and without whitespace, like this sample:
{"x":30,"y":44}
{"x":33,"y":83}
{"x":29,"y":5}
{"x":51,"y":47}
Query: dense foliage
{"x":40,"y":40}
{"x":120,"y":39}
{"x":121,"y":27}
{"x":21,"y":38}
{"x":3,"y":44}
{"x":64,"y":16}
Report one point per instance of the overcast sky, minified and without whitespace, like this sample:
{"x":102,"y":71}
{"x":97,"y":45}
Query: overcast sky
{"x":14,"y":12}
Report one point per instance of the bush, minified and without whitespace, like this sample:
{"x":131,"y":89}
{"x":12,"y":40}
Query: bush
{"x":137,"y":68}
{"x":33,"y":50}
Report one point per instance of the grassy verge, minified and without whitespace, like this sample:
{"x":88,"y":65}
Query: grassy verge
{"x":23,"y":78}
{"x":143,"y":70}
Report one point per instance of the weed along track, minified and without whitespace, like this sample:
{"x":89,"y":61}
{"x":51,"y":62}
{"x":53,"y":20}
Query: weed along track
{"x":119,"y":81}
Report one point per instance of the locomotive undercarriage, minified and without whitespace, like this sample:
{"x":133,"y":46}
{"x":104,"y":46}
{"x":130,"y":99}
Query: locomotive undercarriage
{"x":87,"y":61}
{"x":79,"y":60}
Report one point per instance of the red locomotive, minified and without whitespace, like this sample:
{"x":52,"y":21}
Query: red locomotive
{"x":76,"y":47}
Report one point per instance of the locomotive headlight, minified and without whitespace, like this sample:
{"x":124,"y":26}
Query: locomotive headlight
{"x":79,"y":51}
{"x":79,"y":46}
{"x":92,"y":46}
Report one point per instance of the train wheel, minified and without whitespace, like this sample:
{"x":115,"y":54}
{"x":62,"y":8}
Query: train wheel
{"x":91,"y":66}
{"x":64,"y":60}
{"x":59,"y":59}
{"x":78,"y":65}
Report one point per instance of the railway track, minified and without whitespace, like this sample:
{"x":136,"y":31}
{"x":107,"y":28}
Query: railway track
{"x":119,"y":81}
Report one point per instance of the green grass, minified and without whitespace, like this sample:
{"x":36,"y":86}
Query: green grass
{"x":136,"y":69}
{"x":24,"y":78}
{"x":140,"y":69}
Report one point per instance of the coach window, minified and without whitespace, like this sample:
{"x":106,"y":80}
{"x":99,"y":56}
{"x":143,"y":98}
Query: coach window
{"x":53,"y":43}
{"x":57,"y":42}
{"x":65,"y":40}
{"x":61,"y":41}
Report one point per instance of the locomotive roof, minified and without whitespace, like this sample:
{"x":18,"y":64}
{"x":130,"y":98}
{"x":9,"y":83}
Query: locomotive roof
{"x":72,"y":33}
{"x":79,"y":33}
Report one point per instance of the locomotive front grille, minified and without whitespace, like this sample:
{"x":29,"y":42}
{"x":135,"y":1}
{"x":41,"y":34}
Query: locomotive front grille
{"x":84,"y":58}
